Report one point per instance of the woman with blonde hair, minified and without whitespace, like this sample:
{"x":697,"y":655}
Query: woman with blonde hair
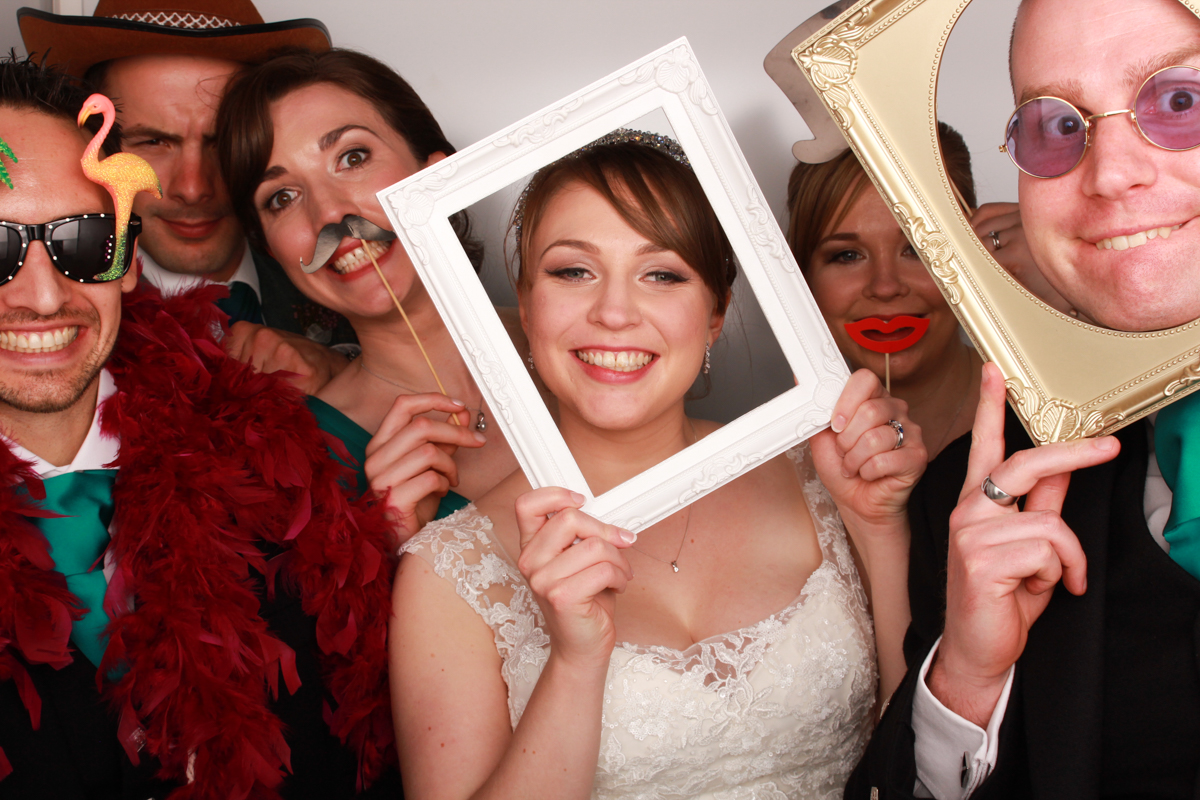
{"x":862,"y":268}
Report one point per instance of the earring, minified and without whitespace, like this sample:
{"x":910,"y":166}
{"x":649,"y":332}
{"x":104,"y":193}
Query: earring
{"x":530,"y":362}
{"x":707,"y":359}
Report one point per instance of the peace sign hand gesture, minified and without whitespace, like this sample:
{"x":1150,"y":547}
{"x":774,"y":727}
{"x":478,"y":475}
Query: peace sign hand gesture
{"x":1004,"y":562}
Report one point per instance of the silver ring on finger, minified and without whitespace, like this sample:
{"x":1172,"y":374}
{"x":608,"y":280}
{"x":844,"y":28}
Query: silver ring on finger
{"x":995,"y":236}
{"x":896,"y":426}
{"x":997,"y":495}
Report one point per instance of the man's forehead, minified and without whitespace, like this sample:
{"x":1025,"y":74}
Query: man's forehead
{"x":48,"y":180}
{"x":160,"y":78}
{"x":1058,"y":44}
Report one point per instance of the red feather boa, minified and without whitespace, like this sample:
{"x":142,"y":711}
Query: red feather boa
{"x":214,"y":457}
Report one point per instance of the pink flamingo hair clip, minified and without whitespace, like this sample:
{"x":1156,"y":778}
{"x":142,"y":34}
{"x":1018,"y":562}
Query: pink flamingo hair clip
{"x":122,"y":174}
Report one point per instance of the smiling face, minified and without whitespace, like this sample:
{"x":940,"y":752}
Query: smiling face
{"x":1096,"y":54}
{"x":167,"y":108}
{"x":55,"y":334}
{"x":333,"y":151}
{"x":617,"y":324}
{"x":865,"y":267}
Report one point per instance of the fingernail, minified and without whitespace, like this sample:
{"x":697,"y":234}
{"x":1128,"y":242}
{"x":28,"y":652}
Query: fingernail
{"x":846,"y":473}
{"x":458,"y":402}
{"x":479,"y":437}
{"x":838,"y":424}
{"x":1106,"y":444}
{"x":577,"y":498}
{"x":628,"y":537}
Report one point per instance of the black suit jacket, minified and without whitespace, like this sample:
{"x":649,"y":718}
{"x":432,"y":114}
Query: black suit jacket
{"x":1050,"y":740}
{"x":75,"y":754}
{"x":286,"y":308}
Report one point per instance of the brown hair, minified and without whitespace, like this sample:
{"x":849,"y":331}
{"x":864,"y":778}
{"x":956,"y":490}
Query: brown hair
{"x":658,"y":196}
{"x":29,"y":85}
{"x":820,"y":195}
{"x":246,"y":136}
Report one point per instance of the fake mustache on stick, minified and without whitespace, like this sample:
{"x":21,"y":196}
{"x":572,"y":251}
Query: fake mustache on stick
{"x":351,"y":226}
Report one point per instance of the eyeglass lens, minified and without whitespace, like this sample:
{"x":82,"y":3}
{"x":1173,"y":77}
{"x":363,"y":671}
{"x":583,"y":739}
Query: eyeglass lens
{"x":1047,"y":137}
{"x":10,"y":252}
{"x":82,"y":249}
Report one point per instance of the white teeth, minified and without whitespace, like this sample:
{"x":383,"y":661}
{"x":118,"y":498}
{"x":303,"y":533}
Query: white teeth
{"x":1135,"y":239}
{"x":43,"y":342}
{"x":358,"y":258}
{"x":622,"y":361}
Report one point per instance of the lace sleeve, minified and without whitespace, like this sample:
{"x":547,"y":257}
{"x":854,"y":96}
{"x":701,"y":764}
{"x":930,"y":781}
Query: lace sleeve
{"x":831,"y":533}
{"x":462,"y":550}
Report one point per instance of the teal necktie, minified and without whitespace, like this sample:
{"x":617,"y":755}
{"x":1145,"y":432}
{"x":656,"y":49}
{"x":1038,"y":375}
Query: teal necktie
{"x":77,"y":541}
{"x":242,"y":305}
{"x":1177,"y":448}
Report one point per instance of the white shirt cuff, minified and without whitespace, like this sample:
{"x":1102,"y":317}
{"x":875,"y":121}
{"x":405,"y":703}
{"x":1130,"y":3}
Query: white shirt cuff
{"x":953,"y":756}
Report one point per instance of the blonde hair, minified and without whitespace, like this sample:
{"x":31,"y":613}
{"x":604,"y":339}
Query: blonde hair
{"x":821,"y":195}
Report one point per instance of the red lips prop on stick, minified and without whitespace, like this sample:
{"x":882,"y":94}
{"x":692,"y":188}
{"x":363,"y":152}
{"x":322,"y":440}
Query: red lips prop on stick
{"x":857,"y":331}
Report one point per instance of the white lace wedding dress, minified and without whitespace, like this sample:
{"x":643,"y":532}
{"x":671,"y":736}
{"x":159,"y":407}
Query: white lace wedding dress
{"x":778,"y":709}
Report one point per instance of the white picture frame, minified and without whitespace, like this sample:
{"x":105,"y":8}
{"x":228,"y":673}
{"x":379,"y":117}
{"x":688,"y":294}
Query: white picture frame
{"x":669,"y":79}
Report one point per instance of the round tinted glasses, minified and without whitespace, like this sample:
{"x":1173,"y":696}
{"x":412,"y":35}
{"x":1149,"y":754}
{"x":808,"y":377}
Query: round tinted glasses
{"x":1047,"y":137}
{"x":81,"y":247}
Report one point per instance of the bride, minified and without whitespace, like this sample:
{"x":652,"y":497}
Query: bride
{"x":726,"y":651}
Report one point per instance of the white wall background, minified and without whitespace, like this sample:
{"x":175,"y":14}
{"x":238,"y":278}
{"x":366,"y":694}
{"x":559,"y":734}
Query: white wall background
{"x":483,"y":64}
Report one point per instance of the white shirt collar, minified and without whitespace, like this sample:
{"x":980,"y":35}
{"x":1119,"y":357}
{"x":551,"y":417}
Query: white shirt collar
{"x":97,"y":450}
{"x":173,"y":283}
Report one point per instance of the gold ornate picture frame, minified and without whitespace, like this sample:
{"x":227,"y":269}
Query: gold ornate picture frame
{"x":874,"y":68}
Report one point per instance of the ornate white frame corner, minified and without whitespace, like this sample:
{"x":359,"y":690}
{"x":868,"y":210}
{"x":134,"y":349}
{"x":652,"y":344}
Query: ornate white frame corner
{"x":874,"y":68}
{"x":668,"y":79}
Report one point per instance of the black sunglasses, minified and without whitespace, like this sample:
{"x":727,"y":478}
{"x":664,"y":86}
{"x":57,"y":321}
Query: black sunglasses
{"x":81,"y":247}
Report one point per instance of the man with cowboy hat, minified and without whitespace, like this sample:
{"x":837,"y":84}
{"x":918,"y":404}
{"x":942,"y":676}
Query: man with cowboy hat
{"x":165,"y":69}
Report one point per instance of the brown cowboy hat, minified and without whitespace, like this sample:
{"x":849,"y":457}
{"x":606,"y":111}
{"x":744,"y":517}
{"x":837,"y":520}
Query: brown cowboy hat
{"x":230,"y":29}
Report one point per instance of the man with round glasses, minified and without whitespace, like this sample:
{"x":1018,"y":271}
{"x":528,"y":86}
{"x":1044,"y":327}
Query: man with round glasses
{"x":1055,"y":642}
{"x":187,"y":595}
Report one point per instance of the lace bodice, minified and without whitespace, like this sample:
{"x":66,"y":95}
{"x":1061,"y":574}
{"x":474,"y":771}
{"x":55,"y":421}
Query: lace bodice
{"x":778,"y":709}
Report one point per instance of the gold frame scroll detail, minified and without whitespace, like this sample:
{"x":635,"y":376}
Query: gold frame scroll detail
{"x":875,"y":69}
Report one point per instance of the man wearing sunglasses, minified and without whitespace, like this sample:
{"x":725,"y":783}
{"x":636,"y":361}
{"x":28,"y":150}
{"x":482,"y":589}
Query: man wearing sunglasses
{"x":1022,"y":687}
{"x":165,"y":67}
{"x":186,"y":593}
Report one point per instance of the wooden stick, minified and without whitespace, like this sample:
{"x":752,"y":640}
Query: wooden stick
{"x":411,"y":329}
{"x":962,"y":201}
{"x":887,"y":372}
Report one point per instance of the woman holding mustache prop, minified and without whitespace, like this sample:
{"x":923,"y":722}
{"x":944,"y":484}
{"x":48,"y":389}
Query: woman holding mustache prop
{"x":305,"y":142}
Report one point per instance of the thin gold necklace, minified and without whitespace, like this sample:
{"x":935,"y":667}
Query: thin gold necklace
{"x":480,"y":417}
{"x":675,"y":561}
{"x":683,"y":540}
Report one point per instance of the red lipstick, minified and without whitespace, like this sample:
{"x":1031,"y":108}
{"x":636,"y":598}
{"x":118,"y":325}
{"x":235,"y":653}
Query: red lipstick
{"x":857,"y":331}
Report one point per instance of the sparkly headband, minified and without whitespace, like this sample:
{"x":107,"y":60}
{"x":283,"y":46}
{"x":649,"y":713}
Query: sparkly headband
{"x":663,"y":144}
